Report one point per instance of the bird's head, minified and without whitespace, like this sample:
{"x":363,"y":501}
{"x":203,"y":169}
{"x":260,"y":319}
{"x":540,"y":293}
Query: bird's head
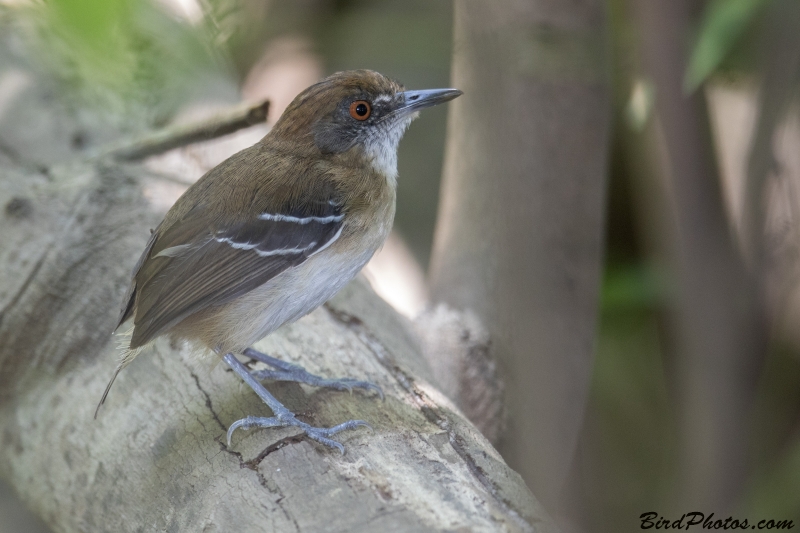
{"x":357,"y":111}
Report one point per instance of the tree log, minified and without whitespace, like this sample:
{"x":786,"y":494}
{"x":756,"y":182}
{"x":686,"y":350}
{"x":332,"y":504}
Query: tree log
{"x":156,"y":457}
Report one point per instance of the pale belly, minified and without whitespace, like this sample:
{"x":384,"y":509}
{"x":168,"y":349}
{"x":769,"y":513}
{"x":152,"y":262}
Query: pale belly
{"x":287,"y":297}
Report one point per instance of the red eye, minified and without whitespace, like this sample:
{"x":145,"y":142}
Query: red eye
{"x":360,"y":110}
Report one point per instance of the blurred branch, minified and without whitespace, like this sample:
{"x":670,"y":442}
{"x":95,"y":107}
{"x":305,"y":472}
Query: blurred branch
{"x":781,"y":71}
{"x":721,"y":336}
{"x":175,"y":137}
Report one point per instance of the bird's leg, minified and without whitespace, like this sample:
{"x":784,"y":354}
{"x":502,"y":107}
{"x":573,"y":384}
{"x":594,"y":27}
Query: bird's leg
{"x":282,"y":416}
{"x":291,"y":372}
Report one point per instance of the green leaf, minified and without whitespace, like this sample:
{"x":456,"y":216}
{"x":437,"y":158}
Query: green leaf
{"x":724,"y":23}
{"x":132,"y":58}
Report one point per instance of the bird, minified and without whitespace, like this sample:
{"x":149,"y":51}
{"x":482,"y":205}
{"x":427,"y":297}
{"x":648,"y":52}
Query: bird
{"x":274,"y":231}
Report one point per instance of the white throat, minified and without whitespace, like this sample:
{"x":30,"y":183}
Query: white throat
{"x":381,"y":148}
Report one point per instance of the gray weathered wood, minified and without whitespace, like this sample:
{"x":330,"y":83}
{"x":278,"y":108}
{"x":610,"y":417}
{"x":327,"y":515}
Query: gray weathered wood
{"x":156,"y":459}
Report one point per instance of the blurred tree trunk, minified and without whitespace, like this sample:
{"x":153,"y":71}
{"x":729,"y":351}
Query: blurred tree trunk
{"x":520,"y":230}
{"x":719,"y":322}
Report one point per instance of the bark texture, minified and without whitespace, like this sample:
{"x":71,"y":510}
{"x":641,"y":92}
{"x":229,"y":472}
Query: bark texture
{"x":156,"y":457}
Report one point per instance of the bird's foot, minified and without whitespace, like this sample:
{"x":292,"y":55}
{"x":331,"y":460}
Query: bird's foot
{"x":287,"y":418}
{"x":291,"y":372}
{"x":282,"y":416}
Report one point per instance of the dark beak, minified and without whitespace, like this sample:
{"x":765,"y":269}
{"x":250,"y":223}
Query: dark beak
{"x":416,"y":100}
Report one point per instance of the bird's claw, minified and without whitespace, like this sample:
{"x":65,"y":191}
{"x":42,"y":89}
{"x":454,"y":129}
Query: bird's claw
{"x":300,"y":375}
{"x":321,"y":435}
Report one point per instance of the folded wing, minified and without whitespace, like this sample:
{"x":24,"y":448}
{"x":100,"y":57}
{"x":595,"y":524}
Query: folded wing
{"x":186,"y":270}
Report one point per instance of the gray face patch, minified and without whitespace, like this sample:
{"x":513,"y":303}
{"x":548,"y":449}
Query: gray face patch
{"x":339,"y":131}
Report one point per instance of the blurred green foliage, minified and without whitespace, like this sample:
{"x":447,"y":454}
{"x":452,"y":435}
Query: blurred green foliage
{"x":633,"y":286}
{"x":724,"y":23}
{"x":131,"y":57}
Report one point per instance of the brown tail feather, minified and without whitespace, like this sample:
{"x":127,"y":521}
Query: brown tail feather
{"x":128,"y":356}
